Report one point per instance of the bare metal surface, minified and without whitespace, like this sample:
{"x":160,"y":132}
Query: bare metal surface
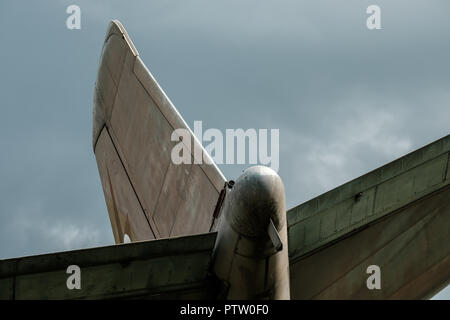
{"x":274,"y":236}
{"x":125,"y":211}
{"x":245,"y":259}
{"x":173,"y":199}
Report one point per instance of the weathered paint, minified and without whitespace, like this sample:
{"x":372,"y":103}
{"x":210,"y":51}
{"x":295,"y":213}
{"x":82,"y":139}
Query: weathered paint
{"x":126,"y":213}
{"x":410,"y":245}
{"x":334,"y":237}
{"x":245,"y":258}
{"x":396,"y":217}
{"x":167,"y":268}
{"x":139,"y":119}
{"x":337,"y":213}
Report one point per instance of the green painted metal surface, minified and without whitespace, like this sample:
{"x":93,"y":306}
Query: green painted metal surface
{"x":372,"y":196}
{"x":167,"y":268}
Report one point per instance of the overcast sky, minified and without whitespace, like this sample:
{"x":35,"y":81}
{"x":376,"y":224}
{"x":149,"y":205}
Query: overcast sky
{"x":345,"y":99}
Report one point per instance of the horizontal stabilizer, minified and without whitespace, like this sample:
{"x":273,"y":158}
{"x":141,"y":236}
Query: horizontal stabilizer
{"x":176,"y":268}
{"x":396,"y":217}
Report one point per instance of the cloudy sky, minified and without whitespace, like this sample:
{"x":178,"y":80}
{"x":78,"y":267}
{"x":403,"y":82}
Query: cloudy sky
{"x":345,"y":99}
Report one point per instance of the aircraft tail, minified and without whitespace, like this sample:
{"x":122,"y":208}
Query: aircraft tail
{"x":147,"y":195}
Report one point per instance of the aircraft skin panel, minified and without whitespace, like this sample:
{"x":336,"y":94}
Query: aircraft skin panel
{"x":191,"y":204}
{"x":409,"y":246}
{"x":126,"y":214}
{"x":175,"y":199}
{"x":331,"y":235}
{"x":365,"y":199}
{"x":175,"y":119}
{"x":175,"y":268}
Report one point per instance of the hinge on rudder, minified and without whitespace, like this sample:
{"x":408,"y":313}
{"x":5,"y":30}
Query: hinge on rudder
{"x":223,"y":193}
